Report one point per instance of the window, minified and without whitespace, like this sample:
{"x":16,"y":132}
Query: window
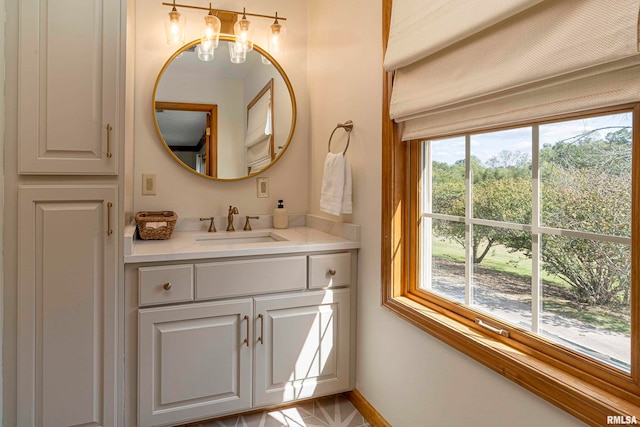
{"x":530,"y":228}
{"x":524,"y":236}
{"x":511,"y":192}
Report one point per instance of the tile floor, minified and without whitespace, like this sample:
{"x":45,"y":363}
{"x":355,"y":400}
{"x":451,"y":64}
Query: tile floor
{"x":332,"y":411}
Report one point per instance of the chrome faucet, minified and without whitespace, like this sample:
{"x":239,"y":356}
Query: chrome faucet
{"x":232,"y":210}
{"x":212,"y":226}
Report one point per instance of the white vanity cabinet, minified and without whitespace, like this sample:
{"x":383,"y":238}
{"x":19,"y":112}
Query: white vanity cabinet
{"x":302,"y":346}
{"x":234,"y":352}
{"x":67,"y":306}
{"x":69,"y":86}
{"x":194,"y":361}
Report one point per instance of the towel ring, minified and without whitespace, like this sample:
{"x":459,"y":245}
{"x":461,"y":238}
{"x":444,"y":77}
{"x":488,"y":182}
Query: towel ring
{"x":347,"y":126}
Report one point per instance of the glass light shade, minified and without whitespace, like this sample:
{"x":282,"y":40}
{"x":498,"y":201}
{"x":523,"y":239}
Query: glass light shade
{"x":205,"y":51}
{"x":237,"y":55}
{"x":243,"y":31}
{"x":211,"y":30}
{"x":174,"y":27}
{"x":277,"y":38}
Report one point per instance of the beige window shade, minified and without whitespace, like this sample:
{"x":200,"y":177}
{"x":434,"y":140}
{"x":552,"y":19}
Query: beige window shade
{"x":259,"y":121}
{"x":539,"y":60}
{"x":420,"y":28}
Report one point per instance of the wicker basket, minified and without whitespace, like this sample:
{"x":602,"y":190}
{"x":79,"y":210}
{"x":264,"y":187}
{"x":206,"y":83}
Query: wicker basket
{"x":156,"y":225}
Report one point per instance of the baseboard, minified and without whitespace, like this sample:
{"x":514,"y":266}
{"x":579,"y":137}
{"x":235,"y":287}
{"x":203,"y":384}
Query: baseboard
{"x":366,"y":409}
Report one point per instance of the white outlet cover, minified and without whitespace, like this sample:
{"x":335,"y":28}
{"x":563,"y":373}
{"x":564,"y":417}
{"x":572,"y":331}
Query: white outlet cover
{"x":263,"y":187}
{"x":149,"y":184}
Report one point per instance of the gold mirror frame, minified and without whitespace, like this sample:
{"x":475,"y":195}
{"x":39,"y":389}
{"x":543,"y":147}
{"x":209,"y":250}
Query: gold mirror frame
{"x":285,"y":78}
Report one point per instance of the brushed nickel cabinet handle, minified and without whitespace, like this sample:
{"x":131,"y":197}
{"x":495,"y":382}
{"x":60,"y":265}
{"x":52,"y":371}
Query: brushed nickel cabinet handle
{"x":109,"y":229}
{"x":246,"y":340}
{"x":332,"y":272}
{"x":260,"y":338}
{"x":167,"y":286}
{"x":109,"y":129}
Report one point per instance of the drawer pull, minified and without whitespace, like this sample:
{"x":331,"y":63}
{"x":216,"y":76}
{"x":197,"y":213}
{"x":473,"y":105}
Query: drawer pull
{"x":260,"y":338}
{"x":332,"y":272}
{"x":166,"y":286}
{"x":246,"y":340}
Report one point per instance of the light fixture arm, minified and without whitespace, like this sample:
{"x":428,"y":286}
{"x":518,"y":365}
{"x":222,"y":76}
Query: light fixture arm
{"x":222,"y":10}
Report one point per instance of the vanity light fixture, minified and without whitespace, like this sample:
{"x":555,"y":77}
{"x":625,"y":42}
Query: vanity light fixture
{"x":277,"y":37}
{"x":210,"y":31}
{"x":174,"y":26}
{"x":244,"y":33}
{"x":205,"y":52}
{"x":237,"y":54}
{"x":224,"y":21}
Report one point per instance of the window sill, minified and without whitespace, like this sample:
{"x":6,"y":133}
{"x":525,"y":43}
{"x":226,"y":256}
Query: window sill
{"x":576,"y":396}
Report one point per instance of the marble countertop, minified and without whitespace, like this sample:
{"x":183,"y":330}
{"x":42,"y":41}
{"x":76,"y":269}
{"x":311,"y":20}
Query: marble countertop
{"x":188,"y":245}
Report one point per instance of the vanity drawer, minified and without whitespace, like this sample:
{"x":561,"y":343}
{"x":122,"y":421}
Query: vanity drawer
{"x":166,"y":284}
{"x":238,"y":278}
{"x":329,"y":270}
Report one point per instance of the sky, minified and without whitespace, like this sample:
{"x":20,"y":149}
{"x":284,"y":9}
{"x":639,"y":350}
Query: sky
{"x":487,"y":145}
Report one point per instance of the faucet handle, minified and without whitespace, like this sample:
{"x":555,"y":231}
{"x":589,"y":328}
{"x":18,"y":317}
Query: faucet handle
{"x":247,"y":225}
{"x":212,"y":226}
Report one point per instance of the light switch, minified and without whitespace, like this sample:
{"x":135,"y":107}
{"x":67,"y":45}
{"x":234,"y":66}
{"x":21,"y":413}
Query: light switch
{"x":149,"y":186}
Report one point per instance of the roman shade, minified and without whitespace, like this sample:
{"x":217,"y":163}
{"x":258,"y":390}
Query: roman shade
{"x":520,"y":63}
{"x":420,"y":28}
{"x":259,"y":120}
{"x":258,"y":140}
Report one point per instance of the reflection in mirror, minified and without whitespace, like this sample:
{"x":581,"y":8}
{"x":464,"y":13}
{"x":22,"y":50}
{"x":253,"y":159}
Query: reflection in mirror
{"x":223,"y":120}
{"x":258,"y":141}
{"x":190,"y":131}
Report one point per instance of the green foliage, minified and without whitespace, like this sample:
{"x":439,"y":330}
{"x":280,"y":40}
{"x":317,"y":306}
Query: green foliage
{"x":501,"y":192}
{"x":591,"y":200}
{"x":586,"y":186}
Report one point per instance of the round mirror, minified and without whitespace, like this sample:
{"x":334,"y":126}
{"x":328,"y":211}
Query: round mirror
{"x":220,"y":119}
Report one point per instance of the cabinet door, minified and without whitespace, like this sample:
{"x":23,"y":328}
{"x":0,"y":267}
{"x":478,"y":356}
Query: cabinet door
{"x":194,"y":361}
{"x":302,"y":346}
{"x":67,"y":306}
{"x":69,"y":86}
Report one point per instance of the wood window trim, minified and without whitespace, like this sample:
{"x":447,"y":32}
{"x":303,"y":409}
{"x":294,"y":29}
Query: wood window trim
{"x":580,"y":393}
{"x":211,"y":152}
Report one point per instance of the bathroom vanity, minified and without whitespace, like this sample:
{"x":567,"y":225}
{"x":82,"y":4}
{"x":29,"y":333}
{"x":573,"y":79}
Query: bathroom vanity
{"x":219,"y":323}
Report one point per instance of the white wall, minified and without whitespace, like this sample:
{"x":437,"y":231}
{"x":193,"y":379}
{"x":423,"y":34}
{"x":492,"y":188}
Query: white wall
{"x":190,"y":195}
{"x":411,"y":378}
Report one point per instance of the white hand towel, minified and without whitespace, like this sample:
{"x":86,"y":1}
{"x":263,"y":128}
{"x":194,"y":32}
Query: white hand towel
{"x":347,"y":206}
{"x":335,"y":196}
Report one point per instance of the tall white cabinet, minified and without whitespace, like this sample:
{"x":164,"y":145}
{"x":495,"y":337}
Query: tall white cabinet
{"x":69,"y":133}
{"x":67,"y":304}
{"x":69,"y":77}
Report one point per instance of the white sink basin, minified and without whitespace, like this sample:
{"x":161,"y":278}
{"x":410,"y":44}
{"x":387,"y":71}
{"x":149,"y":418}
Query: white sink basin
{"x":235,"y":237}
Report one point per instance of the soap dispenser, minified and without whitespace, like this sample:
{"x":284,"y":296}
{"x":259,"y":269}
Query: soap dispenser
{"x":280,"y":216}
